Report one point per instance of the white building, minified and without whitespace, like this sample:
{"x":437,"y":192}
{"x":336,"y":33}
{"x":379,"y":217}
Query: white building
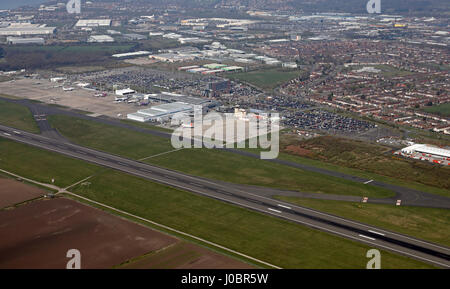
{"x":292,"y":65}
{"x":19,"y":40}
{"x":124,"y":92}
{"x":131,"y":54}
{"x":428,"y":150}
{"x":19,"y":29}
{"x":93,"y":23}
{"x":100,"y":38}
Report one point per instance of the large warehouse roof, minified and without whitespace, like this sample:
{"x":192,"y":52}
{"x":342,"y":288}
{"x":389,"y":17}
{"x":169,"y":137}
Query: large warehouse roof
{"x":166,"y":109}
{"x":160,"y":112}
{"x":93,"y":22}
{"x":100,"y":38}
{"x":26,"y":29}
{"x":427,"y":149}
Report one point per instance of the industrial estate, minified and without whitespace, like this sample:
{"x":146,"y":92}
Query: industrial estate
{"x":355,"y":104}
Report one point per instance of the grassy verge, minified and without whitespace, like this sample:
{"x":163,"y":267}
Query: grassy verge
{"x":146,"y":125}
{"x":230,"y":167}
{"x":108,"y":138}
{"x":42,"y":166}
{"x":267,"y":238}
{"x":424,"y":223}
{"x":17,"y":116}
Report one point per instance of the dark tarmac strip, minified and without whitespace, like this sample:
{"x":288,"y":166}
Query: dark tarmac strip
{"x":372,"y":236}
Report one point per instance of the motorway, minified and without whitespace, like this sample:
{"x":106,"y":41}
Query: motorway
{"x":372,"y":236}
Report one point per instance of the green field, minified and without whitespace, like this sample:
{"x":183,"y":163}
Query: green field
{"x":156,"y":43}
{"x":108,"y":138}
{"x":266,"y":78}
{"x":42,"y":166}
{"x":17,"y":116}
{"x":267,"y":238}
{"x":424,"y":223}
{"x":441,"y":109}
{"x":213,"y":164}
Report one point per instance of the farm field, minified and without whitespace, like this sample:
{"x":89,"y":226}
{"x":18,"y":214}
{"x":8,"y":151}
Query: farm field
{"x":13,"y":192}
{"x":39,"y":234}
{"x":183,"y":255}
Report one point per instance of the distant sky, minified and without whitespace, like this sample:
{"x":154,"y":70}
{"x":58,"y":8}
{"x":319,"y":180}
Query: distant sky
{"x":9,"y":4}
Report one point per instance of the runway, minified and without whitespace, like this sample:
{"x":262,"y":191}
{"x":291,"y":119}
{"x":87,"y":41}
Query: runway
{"x":406,"y":195}
{"x":372,"y":236}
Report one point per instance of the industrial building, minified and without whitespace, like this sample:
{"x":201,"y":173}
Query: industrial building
{"x":131,"y":54}
{"x":232,"y":68}
{"x":124,"y":92}
{"x":20,"y":40}
{"x":100,"y":38}
{"x":427,"y":153}
{"x":19,"y":29}
{"x":171,"y":57}
{"x":291,"y":65}
{"x":134,"y":36}
{"x":160,"y":113}
{"x":93,"y":23}
{"x":195,"y":40}
{"x":175,"y":103}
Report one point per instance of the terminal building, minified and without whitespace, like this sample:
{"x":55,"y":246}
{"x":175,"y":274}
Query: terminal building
{"x":172,"y":103}
{"x":160,"y":113}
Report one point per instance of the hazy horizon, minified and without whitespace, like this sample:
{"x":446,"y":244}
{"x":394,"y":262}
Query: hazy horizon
{"x":9,"y":4}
